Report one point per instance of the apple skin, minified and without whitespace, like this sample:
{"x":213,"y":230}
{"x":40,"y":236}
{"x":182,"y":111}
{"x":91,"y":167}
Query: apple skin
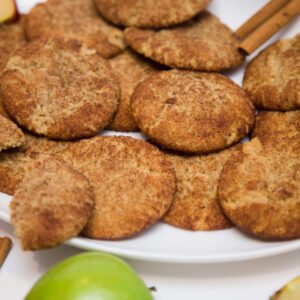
{"x":90,"y":276}
{"x":8,"y":11}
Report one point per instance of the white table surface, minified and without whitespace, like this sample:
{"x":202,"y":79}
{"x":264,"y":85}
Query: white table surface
{"x":252,"y":280}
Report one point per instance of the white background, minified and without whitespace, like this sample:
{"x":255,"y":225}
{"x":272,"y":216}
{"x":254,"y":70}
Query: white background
{"x":252,"y":280}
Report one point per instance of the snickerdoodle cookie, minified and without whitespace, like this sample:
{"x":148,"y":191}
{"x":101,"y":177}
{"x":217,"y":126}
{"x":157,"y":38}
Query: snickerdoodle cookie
{"x":51,"y":205}
{"x":129,"y":69}
{"x":192,"y":112}
{"x":133,"y":183}
{"x":11,"y":38}
{"x":195,"y":205}
{"x":259,"y":188}
{"x":60,"y":89}
{"x":203,"y":43}
{"x":75,"y":19}
{"x":273,"y":77}
{"x":10,"y":135}
{"x":269,"y":123}
{"x":149,"y":13}
{"x":13,"y":162}
{"x":3,"y":112}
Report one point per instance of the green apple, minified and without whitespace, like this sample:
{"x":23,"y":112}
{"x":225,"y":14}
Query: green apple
{"x":90,"y":276}
{"x":8,"y":10}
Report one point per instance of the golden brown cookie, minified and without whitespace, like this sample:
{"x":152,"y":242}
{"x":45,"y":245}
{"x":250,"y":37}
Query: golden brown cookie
{"x":10,"y":135}
{"x":3,"y":113}
{"x":60,"y":89}
{"x":11,"y":38}
{"x":195,"y":206}
{"x":51,"y":205}
{"x":130,"y":69}
{"x":259,"y":188}
{"x":134,"y":184}
{"x":149,"y":13}
{"x":192,"y":112}
{"x":75,"y":19}
{"x":273,"y":77}
{"x":203,"y":43}
{"x":13,"y":162}
{"x":274,"y":122}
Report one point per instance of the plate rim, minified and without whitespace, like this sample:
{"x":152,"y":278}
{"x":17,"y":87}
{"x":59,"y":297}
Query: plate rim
{"x":89,"y":244}
{"x":184,"y":259}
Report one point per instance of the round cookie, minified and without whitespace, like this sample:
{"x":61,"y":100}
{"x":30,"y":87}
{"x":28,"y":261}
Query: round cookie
{"x":75,"y":19}
{"x":259,"y":188}
{"x":274,"y":123}
{"x":10,"y":135}
{"x":130,"y":70}
{"x":192,"y":112}
{"x":149,"y":13}
{"x":273,"y":77}
{"x":51,"y":205}
{"x":11,"y":38}
{"x":134,"y":184}
{"x":13,"y":162}
{"x":195,"y":206}
{"x":202,"y":44}
{"x":60,"y":89}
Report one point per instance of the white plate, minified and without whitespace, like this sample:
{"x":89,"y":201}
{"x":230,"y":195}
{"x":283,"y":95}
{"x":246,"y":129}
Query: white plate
{"x":164,"y":243}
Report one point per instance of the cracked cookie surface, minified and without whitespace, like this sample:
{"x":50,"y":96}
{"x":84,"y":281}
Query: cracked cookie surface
{"x":11,"y":38}
{"x":133,"y":182}
{"x":129,"y":69}
{"x":270,"y":123}
{"x":10,"y":135}
{"x":52,"y":205}
{"x":74,"y":19}
{"x":196,"y":206}
{"x":149,"y":13}
{"x":192,"y":112}
{"x":273,"y":77}
{"x":60,"y":89}
{"x":202,"y":44}
{"x":13,"y":161}
{"x":259,"y":188}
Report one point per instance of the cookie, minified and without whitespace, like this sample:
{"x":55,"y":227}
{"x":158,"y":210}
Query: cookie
{"x":130,"y":69}
{"x":195,"y":205}
{"x":14,"y":161}
{"x":259,"y":188}
{"x":10,"y":135}
{"x":74,"y":19}
{"x":192,"y":112}
{"x":202,"y":44}
{"x":150,"y":13}
{"x":133,"y":183}
{"x":273,"y":77}
{"x":3,"y":112}
{"x":51,"y":205}
{"x":11,"y":38}
{"x":60,"y":89}
{"x":273,"y":123}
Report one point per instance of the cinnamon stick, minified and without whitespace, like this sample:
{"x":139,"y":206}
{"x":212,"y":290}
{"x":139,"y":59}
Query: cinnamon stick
{"x":260,"y":17}
{"x":270,"y":27}
{"x":5,"y":246}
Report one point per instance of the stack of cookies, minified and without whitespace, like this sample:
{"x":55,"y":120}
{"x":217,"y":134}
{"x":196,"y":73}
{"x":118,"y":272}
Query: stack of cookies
{"x":74,"y":68}
{"x":259,"y":188}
